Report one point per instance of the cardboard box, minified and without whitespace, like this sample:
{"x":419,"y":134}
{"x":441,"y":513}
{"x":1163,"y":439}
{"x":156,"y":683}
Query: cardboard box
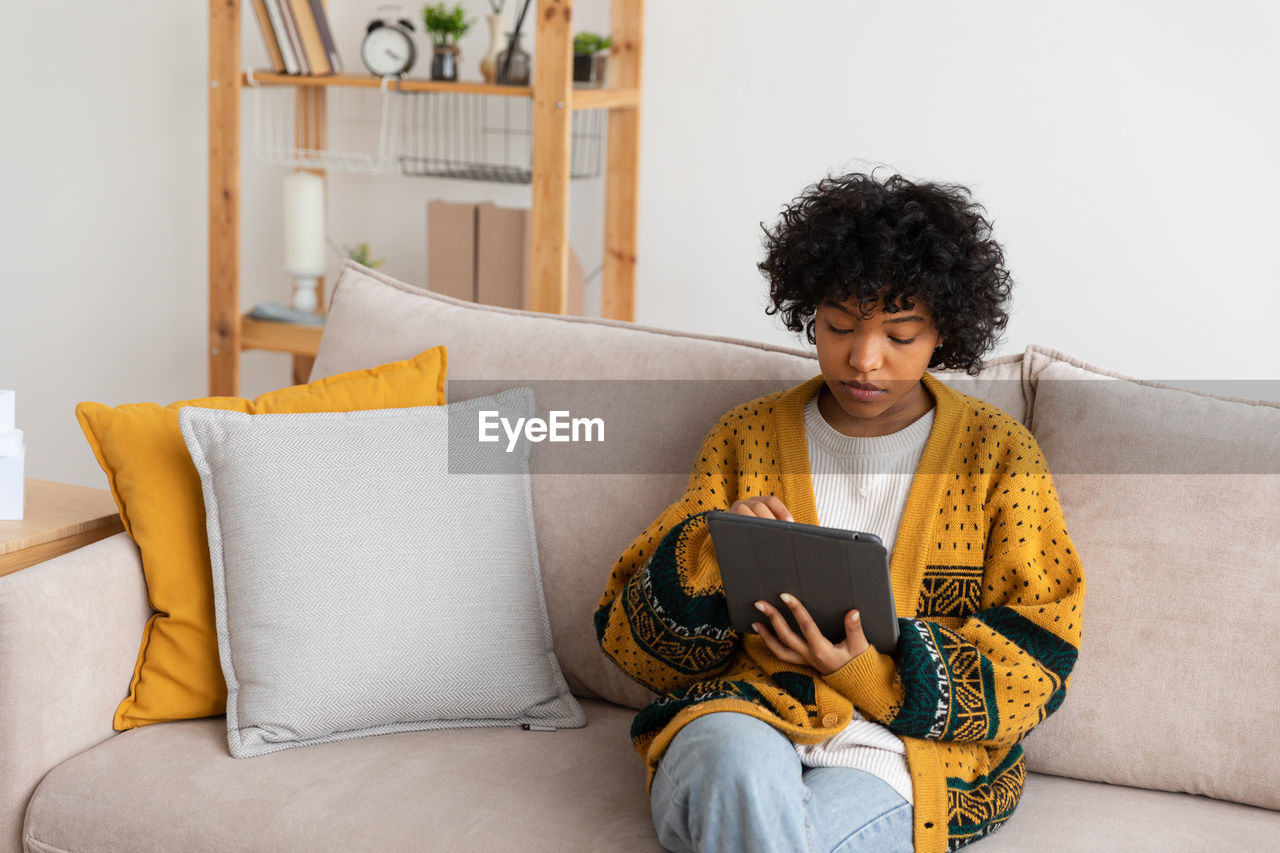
{"x":480,"y":252}
{"x":451,"y":249}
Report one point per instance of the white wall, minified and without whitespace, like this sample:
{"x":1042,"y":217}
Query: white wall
{"x":1127,"y":152}
{"x":1124,"y":149}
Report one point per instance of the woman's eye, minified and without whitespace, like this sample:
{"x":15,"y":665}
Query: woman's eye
{"x":839,"y":331}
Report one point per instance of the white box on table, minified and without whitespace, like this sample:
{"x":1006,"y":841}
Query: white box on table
{"x":13,"y":455}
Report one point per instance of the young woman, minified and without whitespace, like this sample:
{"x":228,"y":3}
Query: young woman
{"x":784,"y":741}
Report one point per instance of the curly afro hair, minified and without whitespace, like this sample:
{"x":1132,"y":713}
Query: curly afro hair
{"x":891,"y":242}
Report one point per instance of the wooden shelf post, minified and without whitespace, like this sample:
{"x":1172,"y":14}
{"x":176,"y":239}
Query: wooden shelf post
{"x":552,"y":152}
{"x":622,"y":181}
{"x":224,"y":197}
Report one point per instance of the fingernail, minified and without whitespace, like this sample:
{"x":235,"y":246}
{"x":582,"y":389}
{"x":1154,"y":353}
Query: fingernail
{"x":855,"y":617}
{"x":787,"y":598}
{"x":760,"y":606}
{"x":755,"y":626}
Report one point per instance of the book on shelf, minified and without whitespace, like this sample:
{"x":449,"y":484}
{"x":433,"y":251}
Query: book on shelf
{"x":326,"y":35}
{"x":295,"y":40}
{"x":281,"y":34}
{"x":309,"y":34}
{"x":269,"y":36}
{"x":275,"y":312}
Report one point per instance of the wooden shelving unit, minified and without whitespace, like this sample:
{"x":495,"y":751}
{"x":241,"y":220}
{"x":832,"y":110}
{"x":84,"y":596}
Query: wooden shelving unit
{"x":554,"y":101}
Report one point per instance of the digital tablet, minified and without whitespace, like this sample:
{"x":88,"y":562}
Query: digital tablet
{"x":831,"y":572}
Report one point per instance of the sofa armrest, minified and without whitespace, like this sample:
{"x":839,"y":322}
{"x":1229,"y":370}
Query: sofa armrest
{"x":69,"y":635}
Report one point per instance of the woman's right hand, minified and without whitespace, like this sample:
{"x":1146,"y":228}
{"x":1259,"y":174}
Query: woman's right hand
{"x":762,"y":506}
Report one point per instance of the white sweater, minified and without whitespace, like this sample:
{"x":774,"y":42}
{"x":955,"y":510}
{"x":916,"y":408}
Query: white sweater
{"x":861,"y":483}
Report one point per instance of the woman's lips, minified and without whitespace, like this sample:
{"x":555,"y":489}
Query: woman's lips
{"x":863,"y":392}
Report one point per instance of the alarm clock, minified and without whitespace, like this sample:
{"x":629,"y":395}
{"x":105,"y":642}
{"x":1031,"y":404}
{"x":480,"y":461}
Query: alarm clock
{"x":387,"y":49}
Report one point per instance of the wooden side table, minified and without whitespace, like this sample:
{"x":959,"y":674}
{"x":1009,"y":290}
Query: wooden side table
{"x":58,"y":518}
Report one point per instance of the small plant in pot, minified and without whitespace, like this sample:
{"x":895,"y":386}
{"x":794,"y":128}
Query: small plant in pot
{"x":589,"y":58}
{"x":445,"y":24}
{"x":363,"y":255}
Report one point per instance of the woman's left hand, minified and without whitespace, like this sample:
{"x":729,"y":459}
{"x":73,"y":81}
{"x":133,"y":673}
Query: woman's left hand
{"x":812,"y":649}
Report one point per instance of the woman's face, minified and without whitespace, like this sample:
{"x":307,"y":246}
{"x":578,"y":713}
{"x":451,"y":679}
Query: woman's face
{"x":872,"y":366}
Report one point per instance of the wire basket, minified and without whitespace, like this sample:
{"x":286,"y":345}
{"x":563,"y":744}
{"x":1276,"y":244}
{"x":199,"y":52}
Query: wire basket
{"x":361,"y":137}
{"x":476,"y":137}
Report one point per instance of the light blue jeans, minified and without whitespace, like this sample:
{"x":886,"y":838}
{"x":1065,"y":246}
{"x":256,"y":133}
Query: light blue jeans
{"x":730,"y":782}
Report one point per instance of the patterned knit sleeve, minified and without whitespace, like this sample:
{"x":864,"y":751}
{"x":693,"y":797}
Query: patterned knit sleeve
{"x":989,"y":675}
{"x":663,"y":617}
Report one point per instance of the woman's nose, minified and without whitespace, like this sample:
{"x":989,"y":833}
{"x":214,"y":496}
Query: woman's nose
{"x":864,"y":356}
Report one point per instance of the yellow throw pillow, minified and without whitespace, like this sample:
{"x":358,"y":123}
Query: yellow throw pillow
{"x":155,"y":484}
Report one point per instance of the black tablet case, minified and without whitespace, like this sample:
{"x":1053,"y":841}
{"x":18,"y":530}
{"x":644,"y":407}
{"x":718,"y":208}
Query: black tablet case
{"x":831,"y":571}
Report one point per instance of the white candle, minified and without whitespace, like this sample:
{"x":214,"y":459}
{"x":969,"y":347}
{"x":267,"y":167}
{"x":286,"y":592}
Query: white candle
{"x":304,"y":224}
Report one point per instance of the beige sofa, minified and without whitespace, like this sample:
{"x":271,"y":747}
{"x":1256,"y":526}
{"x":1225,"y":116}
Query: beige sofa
{"x":1168,"y":739}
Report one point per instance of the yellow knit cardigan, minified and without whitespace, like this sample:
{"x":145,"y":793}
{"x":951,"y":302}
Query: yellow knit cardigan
{"x":987,"y":585}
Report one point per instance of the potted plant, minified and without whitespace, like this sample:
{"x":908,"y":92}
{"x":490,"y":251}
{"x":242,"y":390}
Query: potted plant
{"x":363,"y":255}
{"x":589,"y":58}
{"x":445,"y":24}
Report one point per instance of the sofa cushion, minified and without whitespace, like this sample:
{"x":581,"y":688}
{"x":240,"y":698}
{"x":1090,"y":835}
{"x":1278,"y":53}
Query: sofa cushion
{"x":463,"y":789}
{"x":1170,"y":497}
{"x":177,"y":675}
{"x":1000,"y":383}
{"x":374,"y":572}
{"x":587,"y":506}
{"x":498,"y":789}
{"x":1059,"y":815}
{"x":585,"y":514}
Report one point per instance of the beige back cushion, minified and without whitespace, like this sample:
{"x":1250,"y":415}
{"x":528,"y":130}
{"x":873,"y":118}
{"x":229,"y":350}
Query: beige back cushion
{"x":1171,"y":498}
{"x":657,"y":391}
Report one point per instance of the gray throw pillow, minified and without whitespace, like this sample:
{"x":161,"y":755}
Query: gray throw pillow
{"x":374,"y":572}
